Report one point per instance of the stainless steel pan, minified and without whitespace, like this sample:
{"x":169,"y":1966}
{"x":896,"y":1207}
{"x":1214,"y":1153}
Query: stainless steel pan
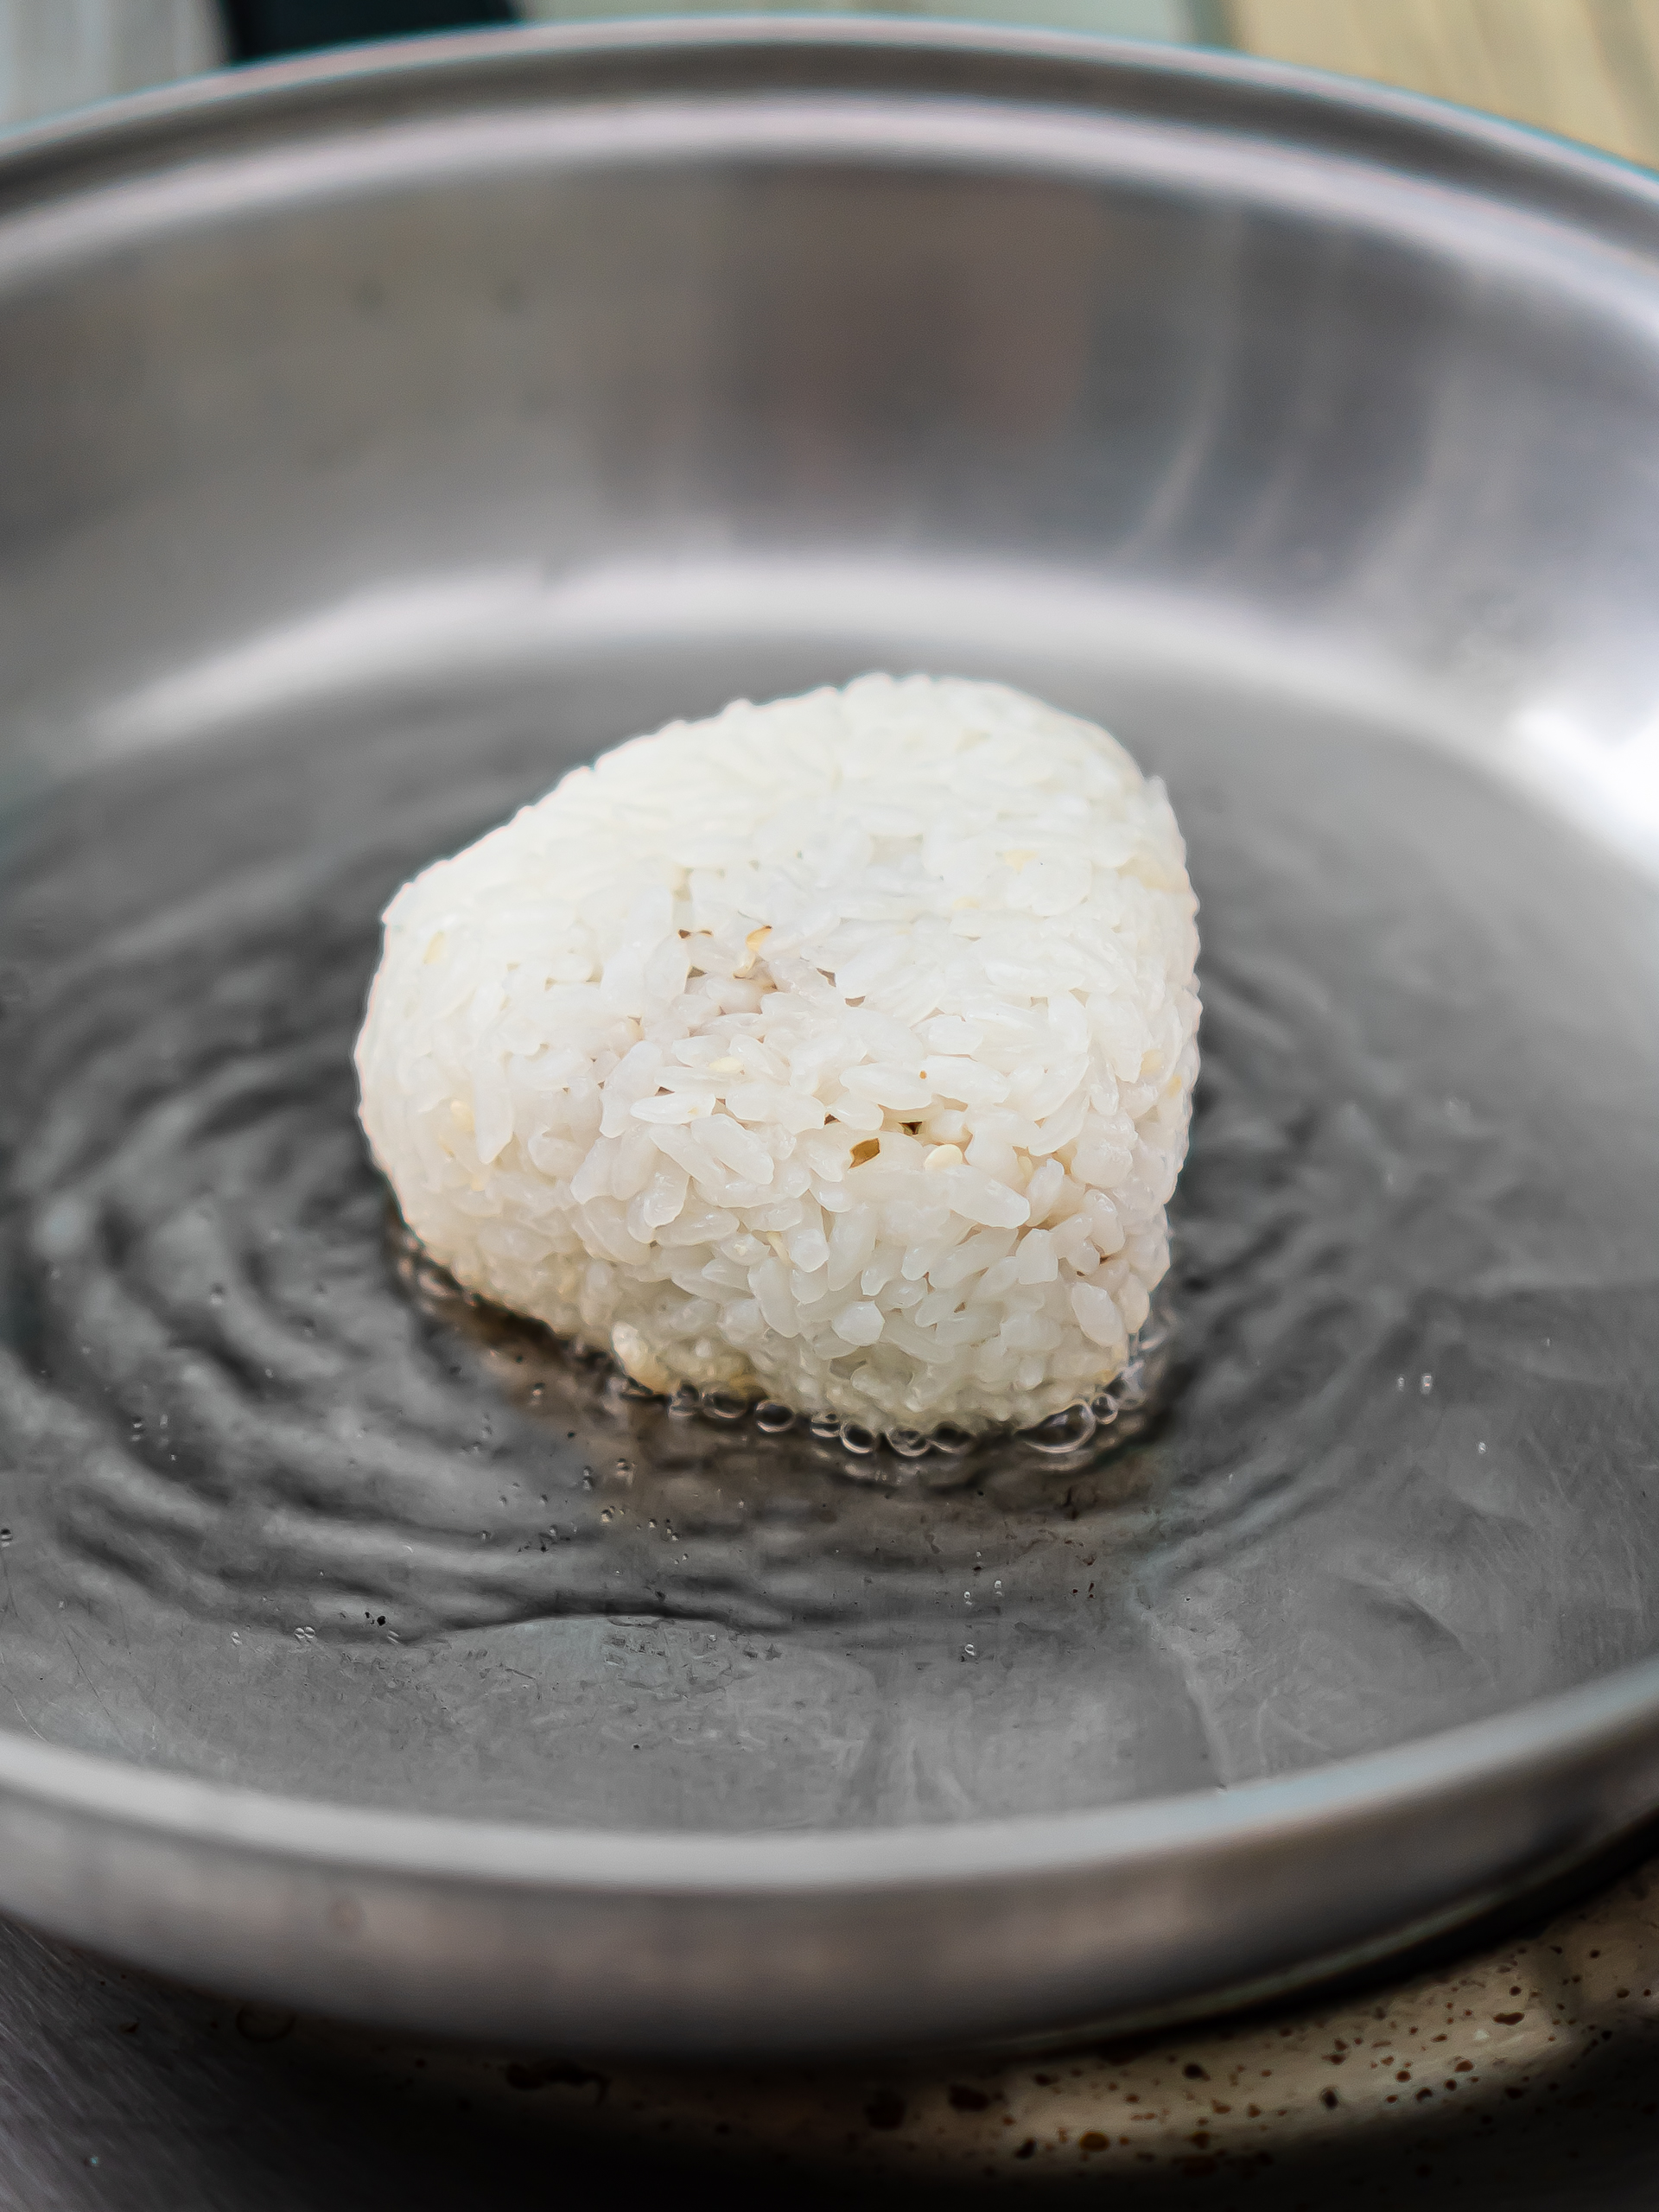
{"x":378,"y":436}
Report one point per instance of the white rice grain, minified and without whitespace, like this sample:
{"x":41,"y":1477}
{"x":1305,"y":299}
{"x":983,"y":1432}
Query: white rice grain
{"x":839,"y":1050}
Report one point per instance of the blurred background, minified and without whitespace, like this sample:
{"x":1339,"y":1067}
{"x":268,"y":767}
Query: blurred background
{"x":1586,"y":68}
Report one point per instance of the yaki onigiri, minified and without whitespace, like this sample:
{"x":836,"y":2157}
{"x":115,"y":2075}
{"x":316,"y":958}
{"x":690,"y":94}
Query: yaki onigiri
{"x":838,"y":1050}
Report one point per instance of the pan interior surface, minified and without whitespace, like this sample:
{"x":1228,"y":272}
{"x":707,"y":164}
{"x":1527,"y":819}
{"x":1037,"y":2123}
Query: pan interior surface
{"x":341,"y":524}
{"x":285,"y":1510}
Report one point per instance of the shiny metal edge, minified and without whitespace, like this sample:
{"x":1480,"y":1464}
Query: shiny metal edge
{"x":1477,"y":1914}
{"x":1584,"y":1723}
{"x":1321,"y":106}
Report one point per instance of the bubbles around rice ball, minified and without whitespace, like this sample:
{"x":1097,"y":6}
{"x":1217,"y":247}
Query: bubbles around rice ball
{"x":838,"y":1050}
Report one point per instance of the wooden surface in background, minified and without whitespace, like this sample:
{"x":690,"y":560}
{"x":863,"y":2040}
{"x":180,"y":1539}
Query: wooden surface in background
{"x":1586,"y":68}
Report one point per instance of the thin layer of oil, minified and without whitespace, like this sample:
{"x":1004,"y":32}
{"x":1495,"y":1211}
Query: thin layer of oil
{"x":1399,"y":1469}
